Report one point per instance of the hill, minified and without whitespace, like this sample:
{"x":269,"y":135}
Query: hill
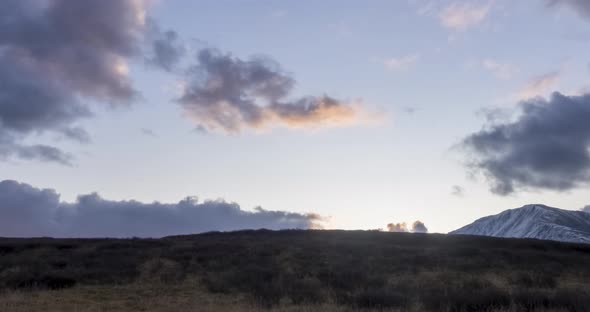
{"x":534,"y":221}
{"x":292,"y":271}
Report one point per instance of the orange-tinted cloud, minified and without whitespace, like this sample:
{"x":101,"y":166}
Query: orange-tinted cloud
{"x":228,"y":94}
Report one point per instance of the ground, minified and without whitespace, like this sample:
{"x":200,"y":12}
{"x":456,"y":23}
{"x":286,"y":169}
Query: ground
{"x":294,"y":271}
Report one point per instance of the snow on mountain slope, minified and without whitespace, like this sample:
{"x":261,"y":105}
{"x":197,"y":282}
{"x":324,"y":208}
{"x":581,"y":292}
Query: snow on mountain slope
{"x":533,"y":221}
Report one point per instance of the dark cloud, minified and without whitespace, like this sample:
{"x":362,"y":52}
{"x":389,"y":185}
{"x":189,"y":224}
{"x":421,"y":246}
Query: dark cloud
{"x":31,"y":102}
{"x":419,"y":227}
{"x":545,"y":148}
{"x":167,"y":49}
{"x":42,"y":153}
{"x":57,"y":56}
{"x":27,"y":211}
{"x":83,"y":43}
{"x":9,"y":149}
{"x":53,"y":55}
{"x":77,"y":134}
{"x":582,"y":7}
{"x":229,"y":94}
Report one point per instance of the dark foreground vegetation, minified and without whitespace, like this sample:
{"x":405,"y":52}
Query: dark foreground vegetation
{"x":288,"y":270}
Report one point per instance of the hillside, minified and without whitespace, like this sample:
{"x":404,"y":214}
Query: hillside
{"x":294,"y":270}
{"x":534,"y":221}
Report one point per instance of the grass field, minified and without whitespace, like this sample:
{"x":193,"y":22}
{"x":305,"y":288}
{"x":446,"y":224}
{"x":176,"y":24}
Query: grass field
{"x":294,"y":271}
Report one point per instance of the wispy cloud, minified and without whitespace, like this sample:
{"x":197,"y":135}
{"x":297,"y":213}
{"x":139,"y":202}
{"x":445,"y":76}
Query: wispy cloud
{"x":462,"y":15}
{"x":539,"y":85}
{"x":457,"y":190}
{"x":409,"y":109}
{"x":167,"y":49}
{"x":342,"y":28}
{"x":427,"y":9}
{"x":401,"y":63}
{"x":148,"y":132}
{"x":500,"y":70}
{"x":581,"y":7}
{"x":585,"y":89}
{"x":278,"y":13}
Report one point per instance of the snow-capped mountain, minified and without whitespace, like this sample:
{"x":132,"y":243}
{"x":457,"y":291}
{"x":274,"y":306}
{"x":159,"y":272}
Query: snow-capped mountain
{"x":534,"y":221}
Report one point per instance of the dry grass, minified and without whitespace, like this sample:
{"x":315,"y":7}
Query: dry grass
{"x":294,"y":271}
{"x":188,"y":296}
{"x":166,"y":298}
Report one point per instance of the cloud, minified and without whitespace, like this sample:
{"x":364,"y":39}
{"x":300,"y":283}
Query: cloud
{"x":26,"y":211}
{"x":148,"y":132}
{"x":83,"y":43}
{"x":539,"y":85}
{"x":462,"y":15}
{"x":40,"y":152}
{"x":500,"y":70}
{"x":43,"y":153}
{"x":457,"y":190}
{"x":586,"y":208}
{"x":32,"y":104}
{"x":427,"y":9}
{"x":228,"y":94}
{"x":277,"y":14}
{"x":342,"y":28}
{"x":409,"y":110}
{"x":53,"y":55}
{"x":401,"y":63}
{"x":417,"y":227}
{"x":167,"y":49}
{"x":77,"y":134}
{"x":546,"y":148}
{"x":397,"y":227}
{"x":581,"y":7}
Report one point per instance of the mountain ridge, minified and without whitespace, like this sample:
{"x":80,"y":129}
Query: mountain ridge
{"x":533,"y":221}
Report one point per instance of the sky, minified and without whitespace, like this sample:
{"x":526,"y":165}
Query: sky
{"x":281,"y":114}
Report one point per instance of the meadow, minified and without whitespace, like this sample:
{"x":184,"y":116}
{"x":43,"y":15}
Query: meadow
{"x":293,"y":270}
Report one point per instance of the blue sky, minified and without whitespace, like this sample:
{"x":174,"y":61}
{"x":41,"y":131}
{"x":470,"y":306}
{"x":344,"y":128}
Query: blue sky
{"x":428,"y":70}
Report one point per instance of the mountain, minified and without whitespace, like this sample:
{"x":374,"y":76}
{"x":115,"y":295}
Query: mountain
{"x":533,"y":221}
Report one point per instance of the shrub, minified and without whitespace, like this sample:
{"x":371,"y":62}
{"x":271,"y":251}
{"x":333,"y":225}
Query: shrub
{"x":533,"y":280}
{"x":31,"y":280}
{"x":532,"y":299}
{"x":307,"y":290}
{"x":470,"y":294}
{"x":355,"y":269}
{"x":574,"y":300}
{"x":55,"y":282}
{"x":162,"y":270}
{"x":380,"y":298}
